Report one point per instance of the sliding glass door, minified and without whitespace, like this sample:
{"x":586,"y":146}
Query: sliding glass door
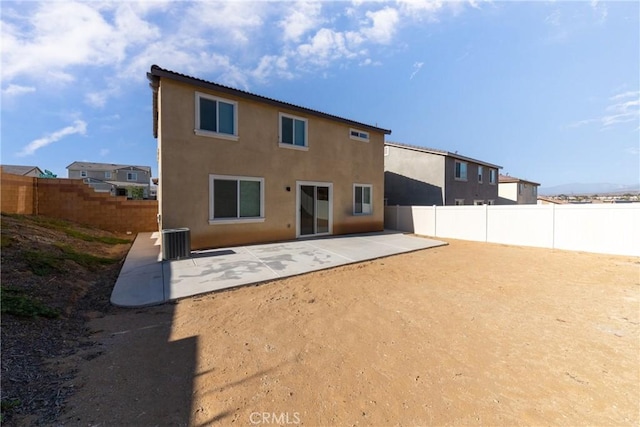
{"x":314,"y":208}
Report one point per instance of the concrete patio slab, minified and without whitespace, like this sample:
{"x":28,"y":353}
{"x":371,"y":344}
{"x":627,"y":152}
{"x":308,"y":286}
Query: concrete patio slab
{"x":147,"y":280}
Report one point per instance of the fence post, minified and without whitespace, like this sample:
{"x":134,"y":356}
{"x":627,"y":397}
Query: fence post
{"x":553,"y":226}
{"x":486,"y":223}
{"x":435,"y":223}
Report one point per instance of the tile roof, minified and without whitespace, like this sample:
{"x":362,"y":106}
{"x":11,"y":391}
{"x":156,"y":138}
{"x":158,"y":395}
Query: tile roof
{"x":159,"y":72}
{"x":440,"y":152}
{"x":18,"y":169}
{"x":506,"y":178}
{"x":105,"y":166}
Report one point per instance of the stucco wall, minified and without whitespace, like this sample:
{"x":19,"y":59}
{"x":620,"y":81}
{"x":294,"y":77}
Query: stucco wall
{"x":413,"y":178}
{"x":512,"y":193}
{"x":187,"y":160}
{"x":469,"y":190}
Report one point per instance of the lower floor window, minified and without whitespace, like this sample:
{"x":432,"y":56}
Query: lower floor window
{"x":236,"y":198}
{"x":362,"y":199}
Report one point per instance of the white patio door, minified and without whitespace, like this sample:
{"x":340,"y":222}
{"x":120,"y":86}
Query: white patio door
{"x":315,"y":206}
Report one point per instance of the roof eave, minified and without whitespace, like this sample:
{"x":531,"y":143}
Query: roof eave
{"x":158,"y":72}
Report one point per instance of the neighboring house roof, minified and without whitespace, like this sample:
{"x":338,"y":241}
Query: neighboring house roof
{"x":506,"y":178}
{"x":20,"y":170}
{"x":157,"y":72}
{"x":551,"y":201}
{"x":440,"y":152}
{"x":105,"y":167}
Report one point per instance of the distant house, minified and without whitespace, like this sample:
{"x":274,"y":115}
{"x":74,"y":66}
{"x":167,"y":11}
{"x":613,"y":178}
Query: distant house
{"x":119,"y":180}
{"x":420,"y":176}
{"x":237,"y":167}
{"x":516,"y":191}
{"x":22,"y":170}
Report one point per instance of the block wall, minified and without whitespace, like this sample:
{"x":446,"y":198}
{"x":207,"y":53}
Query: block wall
{"x":74,"y":200}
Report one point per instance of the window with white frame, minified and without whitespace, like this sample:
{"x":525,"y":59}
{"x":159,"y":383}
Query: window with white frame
{"x":216,"y":116}
{"x":461,"y":171}
{"x":236,"y":198}
{"x":359,"y":135}
{"x":83,"y":174}
{"x":132,"y":176}
{"x":293,"y":131}
{"x":107,"y":175}
{"x":491,"y":202}
{"x":458,"y":202}
{"x":492,"y":176}
{"x":478,"y":202}
{"x":480,"y":174}
{"x":386,"y":151}
{"x":362,"y":199}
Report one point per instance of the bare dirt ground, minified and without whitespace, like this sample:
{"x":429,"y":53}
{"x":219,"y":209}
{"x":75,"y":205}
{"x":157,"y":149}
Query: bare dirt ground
{"x":466,"y":334}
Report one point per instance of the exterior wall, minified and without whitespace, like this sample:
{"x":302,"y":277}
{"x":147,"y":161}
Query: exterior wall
{"x":606,"y":228}
{"x":187,"y":160}
{"x":469,"y":190}
{"x":73,"y":200}
{"x":17,"y":194}
{"x":413,"y":178}
{"x":522,"y":193}
{"x":116,"y":175}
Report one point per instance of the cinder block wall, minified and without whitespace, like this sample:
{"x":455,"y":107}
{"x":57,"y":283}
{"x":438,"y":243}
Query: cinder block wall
{"x":73,"y":200}
{"x":17,"y":194}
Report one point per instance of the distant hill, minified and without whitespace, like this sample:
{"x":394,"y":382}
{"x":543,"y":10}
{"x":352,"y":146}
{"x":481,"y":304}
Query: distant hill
{"x":588,"y":189}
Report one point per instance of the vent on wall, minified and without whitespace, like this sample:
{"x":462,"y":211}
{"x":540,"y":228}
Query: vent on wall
{"x":176,"y":243}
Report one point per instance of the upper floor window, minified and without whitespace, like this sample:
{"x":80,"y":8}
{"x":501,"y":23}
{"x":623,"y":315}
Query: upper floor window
{"x":83,"y":174}
{"x":362,"y":199}
{"x":107,"y":175}
{"x":461,"y":171}
{"x":358,"y":135}
{"x":458,"y":202}
{"x":480,"y":174}
{"x":132,"y":176}
{"x":492,"y":176}
{"x":216,"y":116}
{"x":293,"y":131}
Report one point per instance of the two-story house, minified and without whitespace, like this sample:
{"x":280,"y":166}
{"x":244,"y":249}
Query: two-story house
{"x":238,"y":168}
{"x":119,"y":180}
{"x":516,"y":191}
{"x":419,"y":176}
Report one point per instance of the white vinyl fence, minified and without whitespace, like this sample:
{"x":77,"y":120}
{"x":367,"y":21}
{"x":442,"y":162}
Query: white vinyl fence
{"x":605,"y":228}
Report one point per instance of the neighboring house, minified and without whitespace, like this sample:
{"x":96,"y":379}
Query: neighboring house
{"x":119,"y":180}
{"x":238,"y":168}
{"x":550,"y":201}
{"x":419,"y":176}
{"x":516,"y":191}
{"x":22,"y":170}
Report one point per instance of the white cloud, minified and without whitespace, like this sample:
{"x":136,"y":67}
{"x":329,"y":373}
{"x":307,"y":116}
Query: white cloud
{"x":59,"y":35}
{"x":384,"y":26}
{"x":326,"y":46}
{"x":600,"y":10}
{"x":417,"y":66}
{"x":78,"y":127}
{"x":301,"y":18}
{"x":626,"y":108}
{"x":15,"y":90}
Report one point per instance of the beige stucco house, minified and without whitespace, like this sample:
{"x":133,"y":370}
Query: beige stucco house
{"x":238,"y":168}
{"x":516,"y":191}
{"x":421,"y":176}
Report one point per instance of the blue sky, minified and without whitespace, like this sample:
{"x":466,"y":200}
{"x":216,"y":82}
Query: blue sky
{"x":548,"y":90}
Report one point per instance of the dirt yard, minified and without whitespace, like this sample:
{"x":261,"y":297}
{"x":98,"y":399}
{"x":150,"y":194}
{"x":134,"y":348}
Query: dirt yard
{"x":465,"y":334}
